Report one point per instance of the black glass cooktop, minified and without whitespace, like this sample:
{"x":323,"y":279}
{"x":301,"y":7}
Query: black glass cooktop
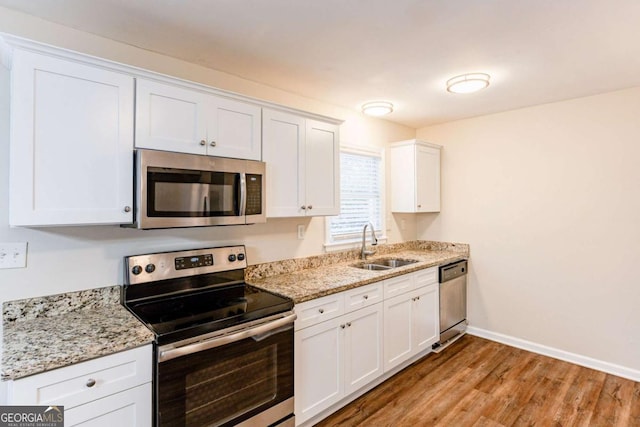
{"x":199,"y":312}
{"x":185,"y":294}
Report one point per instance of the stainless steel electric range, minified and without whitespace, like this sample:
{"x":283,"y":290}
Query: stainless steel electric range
{"x":224,"y":349}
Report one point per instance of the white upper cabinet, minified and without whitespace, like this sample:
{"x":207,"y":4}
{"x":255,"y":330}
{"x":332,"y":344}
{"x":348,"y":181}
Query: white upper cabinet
{"x":322,"y":168}
{"x":283,"y":150}
{"x":415,"y":177}
{"x":71,"y":143}
{"x":170,"y":118}
{"x":302,"y":157}
{"x":181,"y":119}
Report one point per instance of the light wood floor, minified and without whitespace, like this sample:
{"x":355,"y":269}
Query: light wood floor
{"x":476,"y":382}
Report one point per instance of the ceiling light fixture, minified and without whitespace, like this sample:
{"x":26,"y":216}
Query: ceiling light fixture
{"x":377,"y":108}
{"x":468,"y":83}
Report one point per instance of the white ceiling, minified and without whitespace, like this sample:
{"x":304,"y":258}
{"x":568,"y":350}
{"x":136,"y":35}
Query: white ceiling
{"x":346,"y":52}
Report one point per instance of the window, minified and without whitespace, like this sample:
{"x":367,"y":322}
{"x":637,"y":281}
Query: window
{"x":361,"y":197}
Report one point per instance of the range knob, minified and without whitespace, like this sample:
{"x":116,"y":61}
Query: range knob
{"x":150,"y":268}
{"x":136,"y":269}
{"x":232,"y":258}
{"x":240,"y":257}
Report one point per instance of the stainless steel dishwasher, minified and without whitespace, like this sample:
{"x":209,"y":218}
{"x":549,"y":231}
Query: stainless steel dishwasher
{"x":453,"y":303}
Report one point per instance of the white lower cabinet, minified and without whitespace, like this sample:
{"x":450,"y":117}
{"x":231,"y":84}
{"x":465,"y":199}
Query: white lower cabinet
{"x":318,"y":370}
{"x":107,"y":391}
{"x":338,"y":347}
{"x":129,"y":408}
{"x":362,"y":347}
{"x":372,"y":329}
{"x":410,"y":325}
{"x":335,"y":358}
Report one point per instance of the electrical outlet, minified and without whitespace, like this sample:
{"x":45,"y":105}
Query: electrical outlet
{"x":300,"y":231}
{"x":13,"y":255}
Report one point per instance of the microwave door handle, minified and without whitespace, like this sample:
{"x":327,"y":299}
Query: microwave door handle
{"x":206,"y":206}
{"x":243,"y":194}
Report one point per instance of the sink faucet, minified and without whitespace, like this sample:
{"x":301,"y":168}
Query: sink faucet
{"x":374,"y":240}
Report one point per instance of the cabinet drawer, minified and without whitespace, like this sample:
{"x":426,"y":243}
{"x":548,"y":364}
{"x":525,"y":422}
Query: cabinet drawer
{"x":398,"y":285}
{"x":318,"y":310}
{"x":130,"y":408}
{"x":70,"y":386}
{"x":425,"y":277}
{"x":363,"y":296}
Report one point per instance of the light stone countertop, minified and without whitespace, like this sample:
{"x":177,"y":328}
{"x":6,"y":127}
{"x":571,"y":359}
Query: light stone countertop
{"x":307,"y":284}
{"x":41,"y":334}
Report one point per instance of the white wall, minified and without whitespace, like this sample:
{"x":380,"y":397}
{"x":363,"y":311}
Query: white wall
{"x":549,"y":200}
{"x":73,"y":258}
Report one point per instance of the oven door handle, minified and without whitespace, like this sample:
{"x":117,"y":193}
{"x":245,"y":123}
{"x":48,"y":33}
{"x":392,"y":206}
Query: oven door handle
{"x":165,"y":355}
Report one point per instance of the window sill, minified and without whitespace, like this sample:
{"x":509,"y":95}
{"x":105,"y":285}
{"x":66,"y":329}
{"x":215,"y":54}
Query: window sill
{"x":350,"y":244}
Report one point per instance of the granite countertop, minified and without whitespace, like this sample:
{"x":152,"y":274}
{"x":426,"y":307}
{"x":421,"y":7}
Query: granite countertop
{"x":318,"y":281}
{"x":41,"y":334}
{"x":45,"y":333}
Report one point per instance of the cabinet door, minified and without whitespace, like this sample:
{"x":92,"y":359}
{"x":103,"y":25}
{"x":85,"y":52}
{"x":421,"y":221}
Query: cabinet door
{"x":402,"y":165}
{"x":71,"y":143}
{"x":170,"y":118}
{"x":233,"y":129}
{"x":363,"y":347}
{"x":319,"y":360}
{"x":398,"y":330}
{"x":283,"y":150}
{"x":322,"y":169}
{"x":427,"y":179}
{"x":426,"y":317}
{"x":129,"y":408}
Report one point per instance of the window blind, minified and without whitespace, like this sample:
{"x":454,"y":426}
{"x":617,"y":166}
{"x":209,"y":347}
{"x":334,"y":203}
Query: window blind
{"x":360,"y":196}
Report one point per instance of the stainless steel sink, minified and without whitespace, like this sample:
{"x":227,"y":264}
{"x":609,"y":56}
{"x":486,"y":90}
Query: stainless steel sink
{"x":394,"y":262}
{"x":384,"y":264}
{"x":368,"y":266}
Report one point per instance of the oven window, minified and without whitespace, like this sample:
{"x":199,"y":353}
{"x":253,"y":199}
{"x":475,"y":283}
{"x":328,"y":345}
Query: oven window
{"x":191,"y":193}
{"x":228,"y":384}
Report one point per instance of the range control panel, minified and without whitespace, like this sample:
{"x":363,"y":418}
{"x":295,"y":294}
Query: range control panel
{"x":170,"y":265}
{"x":193,"y":261}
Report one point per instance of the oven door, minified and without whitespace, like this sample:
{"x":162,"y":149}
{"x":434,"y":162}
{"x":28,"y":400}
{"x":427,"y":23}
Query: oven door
{"x":244,"y":377}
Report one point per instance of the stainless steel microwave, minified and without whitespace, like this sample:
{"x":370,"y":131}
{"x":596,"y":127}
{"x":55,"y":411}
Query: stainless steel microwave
{"x":187,"y":190}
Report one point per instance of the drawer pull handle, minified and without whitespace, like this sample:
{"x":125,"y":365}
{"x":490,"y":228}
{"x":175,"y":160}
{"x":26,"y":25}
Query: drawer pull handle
{"x":91,"y":382}
{"x":366,"y":297}
{"x":321,"y":310}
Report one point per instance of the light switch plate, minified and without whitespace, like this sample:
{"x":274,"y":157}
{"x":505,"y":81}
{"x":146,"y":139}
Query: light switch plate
{"x":300,"y":231}
{"x":13,"y":255}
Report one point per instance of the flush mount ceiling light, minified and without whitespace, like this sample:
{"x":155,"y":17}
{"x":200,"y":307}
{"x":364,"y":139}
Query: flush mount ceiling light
{"x":468,"y":83}
{"x":377,"y":108}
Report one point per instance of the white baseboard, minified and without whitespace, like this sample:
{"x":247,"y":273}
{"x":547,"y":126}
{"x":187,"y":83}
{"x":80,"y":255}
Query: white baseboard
{"x":588,"y":362}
